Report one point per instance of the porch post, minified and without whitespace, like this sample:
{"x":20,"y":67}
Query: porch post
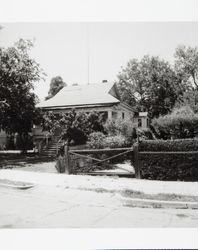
{"x":109,"y":115}
{"x":136,"y":160}
{"x":67,"y":161}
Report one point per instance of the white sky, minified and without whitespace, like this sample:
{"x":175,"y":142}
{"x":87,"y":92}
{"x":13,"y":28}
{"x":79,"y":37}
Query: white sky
{"x":62,"y":48}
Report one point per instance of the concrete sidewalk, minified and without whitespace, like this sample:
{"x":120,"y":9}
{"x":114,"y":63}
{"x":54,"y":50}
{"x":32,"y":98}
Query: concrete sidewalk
{"x":101,"y":182}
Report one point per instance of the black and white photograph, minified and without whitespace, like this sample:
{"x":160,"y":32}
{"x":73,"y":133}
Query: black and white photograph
{"x":98,"y":125}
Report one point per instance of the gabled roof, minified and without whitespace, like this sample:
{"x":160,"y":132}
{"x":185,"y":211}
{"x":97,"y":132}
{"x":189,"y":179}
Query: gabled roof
{"x":92,"y":94}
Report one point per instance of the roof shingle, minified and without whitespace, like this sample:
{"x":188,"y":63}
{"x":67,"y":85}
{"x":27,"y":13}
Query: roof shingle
{"x":81,"y":95}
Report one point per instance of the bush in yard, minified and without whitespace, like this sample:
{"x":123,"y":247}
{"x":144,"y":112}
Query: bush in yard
{"x":166,"y":166}
{"x":99,"y":140}
{"x":181,"y":123}
{"x":170,"y":145}
{"x":10,"y":145}
{"x":96,"y":140}
{"x":124,"y":128}
{"x":117,"y":141}
{"x":145,"y":134}
{"x":26,"y":140}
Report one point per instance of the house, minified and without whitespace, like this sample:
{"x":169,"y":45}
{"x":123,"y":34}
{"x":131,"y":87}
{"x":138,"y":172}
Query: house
{"x":101,"y":97}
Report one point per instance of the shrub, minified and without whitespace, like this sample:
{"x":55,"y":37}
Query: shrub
{"x":117,"y":141}
{"x":123,"y":128}
{"x":10,"y":145}
{"x":169,"y":166}
{"x":96,"y":140}
{"x":24,"y":142}
{"x":169,"y":145}
{"x":145,"y":134}
{"x":181,"y":123}
{"x":117,"y":127}
{"x":99,"y":140}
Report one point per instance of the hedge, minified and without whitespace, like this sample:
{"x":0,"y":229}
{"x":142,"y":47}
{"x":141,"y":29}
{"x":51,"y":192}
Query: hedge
{"x":172,"y":167}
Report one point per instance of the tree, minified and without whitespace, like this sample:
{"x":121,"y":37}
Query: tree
{"x":18,"y":73}
{"x":74,"y":126}
{"x":56,"y":85}
{"x":151,"y":85}
{"x":186,"y":63}
{"x":189,"y":98}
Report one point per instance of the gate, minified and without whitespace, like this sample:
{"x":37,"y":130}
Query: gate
{"x":94,"y":161}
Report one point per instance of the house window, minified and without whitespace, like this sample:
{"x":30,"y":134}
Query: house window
{"x":139,"y":122}
{"x":122,"y":115}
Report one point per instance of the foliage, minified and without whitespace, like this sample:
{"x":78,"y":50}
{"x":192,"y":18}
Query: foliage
{"x":73,"y":126}
{"x":189,"y":98}
{"x":96,"y":140}
{"x":186,"y":63}
{"x":24,"y":142}
{"x":118,"y":133}
{"x":150,"y":84}
{"x":116,"y":141}
{"x":181,"y":123}
{"x":145,"y":134}
{"x":99,"y":140}
{"x":169,"y":166}
{"x":18,"y":73}
{"x":56,"y":85}
{"x":119,"y":127}
{"x":10,"y":145}
{"x":169,"y":145}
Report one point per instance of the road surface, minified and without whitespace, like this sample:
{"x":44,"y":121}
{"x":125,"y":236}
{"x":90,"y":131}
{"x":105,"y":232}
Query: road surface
{"x":58,"y":207}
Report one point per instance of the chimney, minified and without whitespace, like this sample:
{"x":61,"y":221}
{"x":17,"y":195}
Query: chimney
{"x":103,"y":81}
{"x":75,"y":84}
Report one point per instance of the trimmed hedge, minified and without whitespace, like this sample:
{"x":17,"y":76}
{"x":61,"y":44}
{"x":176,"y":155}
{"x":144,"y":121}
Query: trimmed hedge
{"x":172,"y":167}
{"x":169,"y":145}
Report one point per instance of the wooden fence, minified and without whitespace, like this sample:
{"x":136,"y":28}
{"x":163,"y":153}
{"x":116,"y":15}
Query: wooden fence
{"x":65,"y":164}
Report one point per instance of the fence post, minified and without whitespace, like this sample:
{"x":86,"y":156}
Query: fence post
{"x":67,"y":161}
{"x":136,"y":161}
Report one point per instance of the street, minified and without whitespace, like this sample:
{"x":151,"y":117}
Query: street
{"x":57,"y":207}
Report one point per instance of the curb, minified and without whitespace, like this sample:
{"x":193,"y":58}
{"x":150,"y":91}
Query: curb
{"x":17,"y":187}
{"x":148,"y":203}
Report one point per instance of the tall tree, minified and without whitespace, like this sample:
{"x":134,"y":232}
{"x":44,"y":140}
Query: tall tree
{"x":186,"y":63}
{"x":56,"y":85}
{"x":18,"y":73}
{"x":150,"y":84}
{"x":189,"y":98}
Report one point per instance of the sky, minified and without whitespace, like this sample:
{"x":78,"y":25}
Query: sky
{"x":83,"y":52}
